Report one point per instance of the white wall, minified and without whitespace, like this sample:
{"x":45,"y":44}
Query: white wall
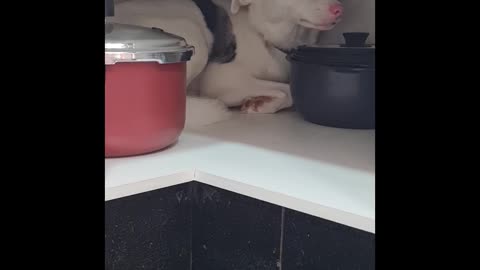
{"x":359,"y":16}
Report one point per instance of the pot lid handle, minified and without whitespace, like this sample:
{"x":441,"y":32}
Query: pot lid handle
{"x":355,"y":39}
{"x":109,"y":8}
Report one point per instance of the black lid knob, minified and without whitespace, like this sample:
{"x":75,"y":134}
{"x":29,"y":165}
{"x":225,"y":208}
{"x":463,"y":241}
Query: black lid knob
{"x":109,"y":8}
{"x":355,"y":39}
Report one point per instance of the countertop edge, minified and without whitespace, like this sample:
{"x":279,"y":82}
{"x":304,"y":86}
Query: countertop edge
{"x":307,"y":207}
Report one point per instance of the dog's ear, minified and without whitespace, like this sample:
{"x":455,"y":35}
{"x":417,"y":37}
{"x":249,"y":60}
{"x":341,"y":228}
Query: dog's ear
{"x":237,"y":4}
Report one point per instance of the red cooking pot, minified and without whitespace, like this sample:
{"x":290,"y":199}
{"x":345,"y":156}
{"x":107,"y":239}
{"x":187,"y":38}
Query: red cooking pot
{"x":145,"y":92}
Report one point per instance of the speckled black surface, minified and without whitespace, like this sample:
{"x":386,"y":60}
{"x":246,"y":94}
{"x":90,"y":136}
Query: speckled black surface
{"x":314,"y":243}
{"x":199,"y":227}
{"x":232,"y":231}
{"x":151,"y":230}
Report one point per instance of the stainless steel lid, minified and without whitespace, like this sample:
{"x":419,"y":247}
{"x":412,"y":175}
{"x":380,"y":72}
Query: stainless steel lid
{"x":130,"y":43}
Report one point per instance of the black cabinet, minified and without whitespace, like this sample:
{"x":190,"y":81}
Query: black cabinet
{"x":232,"y":231}
{"x":200,"y":227}
{"x":315,"y":243}
{"x":151,"y":230}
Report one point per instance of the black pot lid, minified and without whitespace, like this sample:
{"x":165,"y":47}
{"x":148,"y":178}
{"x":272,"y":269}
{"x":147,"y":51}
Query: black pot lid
{"x":355,"y":51}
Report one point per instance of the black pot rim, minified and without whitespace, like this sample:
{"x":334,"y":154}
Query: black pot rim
{"x":296,"y":59}
{"x":338,"y":56}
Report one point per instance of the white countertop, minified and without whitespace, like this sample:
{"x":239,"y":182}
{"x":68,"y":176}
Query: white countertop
{"x":280,"y":158}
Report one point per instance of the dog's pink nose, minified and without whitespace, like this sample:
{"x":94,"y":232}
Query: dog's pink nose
{"x":336,"y":10}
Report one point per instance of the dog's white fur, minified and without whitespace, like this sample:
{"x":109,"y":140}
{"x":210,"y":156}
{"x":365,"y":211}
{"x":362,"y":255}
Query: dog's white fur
{"x":260,"y":68}
{"x":182,"y":18}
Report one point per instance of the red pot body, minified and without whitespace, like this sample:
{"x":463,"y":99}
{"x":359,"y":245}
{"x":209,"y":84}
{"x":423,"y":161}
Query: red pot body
{"x":144,"y":107}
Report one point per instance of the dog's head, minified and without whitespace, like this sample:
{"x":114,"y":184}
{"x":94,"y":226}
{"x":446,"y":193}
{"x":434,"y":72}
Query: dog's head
{"x":279,"y":21}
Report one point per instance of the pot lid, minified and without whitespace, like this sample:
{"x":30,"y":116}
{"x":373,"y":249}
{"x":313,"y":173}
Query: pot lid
{"x":127,"y":43}
{"x":354,"y":52}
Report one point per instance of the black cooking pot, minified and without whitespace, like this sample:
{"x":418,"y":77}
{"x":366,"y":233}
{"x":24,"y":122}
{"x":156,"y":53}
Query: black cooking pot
{"x":335,"y":85}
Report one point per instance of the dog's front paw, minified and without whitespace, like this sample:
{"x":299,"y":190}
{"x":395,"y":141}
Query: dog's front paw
{"x":256,"y":104}
{"x":265,"y":104}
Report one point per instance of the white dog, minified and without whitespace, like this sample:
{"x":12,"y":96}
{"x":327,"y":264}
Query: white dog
{"x":257,"y":77}
{"x":247,"y":68}
{"x":185,"y":19}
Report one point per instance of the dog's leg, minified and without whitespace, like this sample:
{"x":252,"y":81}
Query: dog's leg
{"x":258,"y":96}
{"x":231,"y":84}
{"x":269,"y":97}
{"x":255,"y":96}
